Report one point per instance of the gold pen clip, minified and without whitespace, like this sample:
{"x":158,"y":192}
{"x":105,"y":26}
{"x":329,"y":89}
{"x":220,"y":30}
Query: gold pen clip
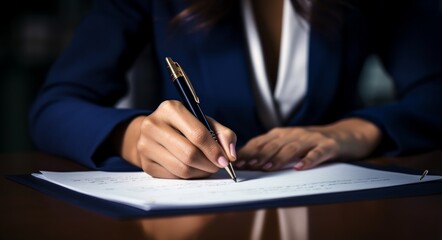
{"x":176,"y":71}
{"x":197,"y":100}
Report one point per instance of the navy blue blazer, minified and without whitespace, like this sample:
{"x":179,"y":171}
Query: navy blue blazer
{"x":74,"y":112}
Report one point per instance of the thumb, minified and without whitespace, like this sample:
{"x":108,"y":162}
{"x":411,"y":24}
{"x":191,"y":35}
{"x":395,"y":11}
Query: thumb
{"x":226,"y":138}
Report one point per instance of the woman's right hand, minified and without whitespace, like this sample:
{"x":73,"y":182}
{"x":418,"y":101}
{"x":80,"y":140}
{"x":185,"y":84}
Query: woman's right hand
{"x":172,"y":143}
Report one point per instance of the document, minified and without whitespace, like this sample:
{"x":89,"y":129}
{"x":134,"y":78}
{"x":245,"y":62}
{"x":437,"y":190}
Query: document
{"x":140,"y":190}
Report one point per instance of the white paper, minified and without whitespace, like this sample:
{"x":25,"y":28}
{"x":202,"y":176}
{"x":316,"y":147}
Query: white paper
{"x":140,"y":190}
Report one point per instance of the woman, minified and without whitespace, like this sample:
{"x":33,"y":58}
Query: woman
{"x":277,"y":79}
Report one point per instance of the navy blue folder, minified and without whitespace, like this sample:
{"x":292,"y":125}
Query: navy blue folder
{"x":121,"y":211}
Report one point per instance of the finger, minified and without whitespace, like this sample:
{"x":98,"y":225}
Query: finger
{"x":226,"y":137}
{"x":270,"y":146}
{"x":239,"y":164}
{"x":257,"y":142}
{"x":176,"y":115}
{"x":246,"y":158}
{"x":156,"y":170}
{"x":251,"y":154}
{"x":296,"y":143}
{"x":187,"y":153}
{"x":168,"y":161}
{"x":181,"y":148}
{"x":287,"y":154}
{"x":317,"y":155}
{"x":195,"y":132}
{"x":266,"y":153}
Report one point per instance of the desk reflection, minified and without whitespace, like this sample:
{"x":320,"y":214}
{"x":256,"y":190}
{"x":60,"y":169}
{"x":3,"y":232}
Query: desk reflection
{"x":45,"y":217}
{"x":281,"y":223}
{"x":185,"y":227}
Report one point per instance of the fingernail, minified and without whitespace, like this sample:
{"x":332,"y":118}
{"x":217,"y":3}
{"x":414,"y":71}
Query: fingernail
{"x":233,"y":150}
{"x":253,"y":162}
{"x":299,"y":165}
{"x":240,"y":163}
{"x":223,"y":161}
{"x":268,"y":165}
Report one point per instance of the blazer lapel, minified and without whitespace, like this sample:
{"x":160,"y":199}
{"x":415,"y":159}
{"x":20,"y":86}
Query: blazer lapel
{"x":225,"y":78}
{"x":324,"y":66}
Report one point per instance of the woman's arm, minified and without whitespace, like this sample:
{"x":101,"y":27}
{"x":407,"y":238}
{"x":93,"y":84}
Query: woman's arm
{"x":351,"y":138}
{"x":408,"y":41}
{"x":74,"y":112}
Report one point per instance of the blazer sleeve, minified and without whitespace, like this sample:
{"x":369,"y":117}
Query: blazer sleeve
{"x":410,"y":47}
{"x":74,"y":110}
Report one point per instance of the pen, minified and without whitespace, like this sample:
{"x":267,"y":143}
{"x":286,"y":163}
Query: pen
{"x":423,"y":175}
{"x":191,"y":101}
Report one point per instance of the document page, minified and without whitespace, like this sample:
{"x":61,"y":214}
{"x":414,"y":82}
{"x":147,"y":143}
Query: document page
{"x":140,"y":190}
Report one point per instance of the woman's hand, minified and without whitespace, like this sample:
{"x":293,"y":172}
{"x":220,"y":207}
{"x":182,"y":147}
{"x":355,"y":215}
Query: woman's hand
{"x":351,"y":138}
{"x":172,"y":143}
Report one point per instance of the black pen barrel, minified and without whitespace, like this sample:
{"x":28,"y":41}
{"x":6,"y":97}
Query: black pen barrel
{"x":189,"y":101}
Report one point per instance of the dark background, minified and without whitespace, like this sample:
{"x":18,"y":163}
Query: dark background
{"x":32,"y":35}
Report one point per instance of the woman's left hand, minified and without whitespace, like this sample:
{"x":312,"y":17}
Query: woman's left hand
{"x":351,"y":138}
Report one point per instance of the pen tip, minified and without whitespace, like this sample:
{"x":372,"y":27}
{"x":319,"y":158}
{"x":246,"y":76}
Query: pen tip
{"x":234,"y":179}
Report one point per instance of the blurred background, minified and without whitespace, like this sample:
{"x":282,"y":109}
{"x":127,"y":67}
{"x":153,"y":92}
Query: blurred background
{"x":32,"y":35}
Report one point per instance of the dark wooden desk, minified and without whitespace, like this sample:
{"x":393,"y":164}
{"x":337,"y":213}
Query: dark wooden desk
{"x":28,"y":214}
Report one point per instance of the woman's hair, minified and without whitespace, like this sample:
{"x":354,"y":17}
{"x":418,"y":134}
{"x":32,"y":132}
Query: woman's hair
{"x":204,"y":13}
{"x":323,"y":14}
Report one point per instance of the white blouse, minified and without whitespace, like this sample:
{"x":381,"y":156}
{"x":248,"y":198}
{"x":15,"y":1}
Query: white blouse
{"x":291,"y":84}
